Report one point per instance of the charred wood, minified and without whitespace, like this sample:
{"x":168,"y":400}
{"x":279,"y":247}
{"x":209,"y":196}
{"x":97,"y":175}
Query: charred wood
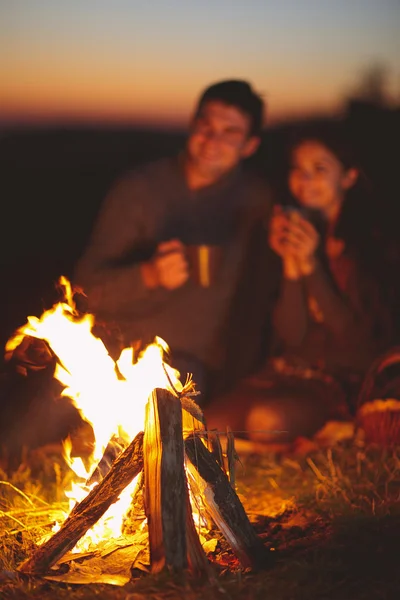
{"x":113,"y":449}
{"x":223,"y":505}
{"x":85,"y":514}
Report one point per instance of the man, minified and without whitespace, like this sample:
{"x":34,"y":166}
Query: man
{"x":136,"y":270}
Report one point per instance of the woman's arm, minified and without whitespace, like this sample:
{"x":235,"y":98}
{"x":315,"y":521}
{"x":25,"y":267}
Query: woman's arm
{"x":291,"y":313}
{"x":340,"y":317}
{"x":290,"y":318}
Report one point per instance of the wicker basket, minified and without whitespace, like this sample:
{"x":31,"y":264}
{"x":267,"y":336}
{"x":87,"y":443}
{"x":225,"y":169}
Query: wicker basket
{"x":378,"y":409}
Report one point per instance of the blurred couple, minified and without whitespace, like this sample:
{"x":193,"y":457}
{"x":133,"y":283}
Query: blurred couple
{"x":281,"y":336}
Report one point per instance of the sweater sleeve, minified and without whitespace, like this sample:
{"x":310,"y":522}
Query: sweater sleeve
{"x":341,"y":314}
{"x":291,"y":313}
{"x":355,"y":307}
{"x":112,"y":280}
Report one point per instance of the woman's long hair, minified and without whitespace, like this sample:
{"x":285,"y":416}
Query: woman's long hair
{"x":360,"y":223}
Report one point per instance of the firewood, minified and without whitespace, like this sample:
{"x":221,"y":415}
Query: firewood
{"x":198,"y":562}
{"x":166,"y":491}
{"x":231,"y":457}
{"x":223,"y":504}
{"x":85,"y":514}
{"x":192,"y":421}
{"x":114,"y":448}
{"x":192,"y":417}
{"x":135,"y":514}
{"x":215,"y":447}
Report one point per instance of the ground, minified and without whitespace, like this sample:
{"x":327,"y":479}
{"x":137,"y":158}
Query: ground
{"x":330,"y":519}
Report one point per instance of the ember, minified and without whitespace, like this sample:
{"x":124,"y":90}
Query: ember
{"x":143,"y":421}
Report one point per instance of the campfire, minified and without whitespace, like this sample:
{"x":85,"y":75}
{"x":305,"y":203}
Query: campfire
{"x":154,"y":471}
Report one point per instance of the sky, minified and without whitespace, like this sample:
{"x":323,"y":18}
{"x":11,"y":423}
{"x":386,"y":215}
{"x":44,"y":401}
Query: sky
{"x":146,"y":61}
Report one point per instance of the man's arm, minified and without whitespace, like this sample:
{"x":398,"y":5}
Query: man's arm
{"x":109,"y":271}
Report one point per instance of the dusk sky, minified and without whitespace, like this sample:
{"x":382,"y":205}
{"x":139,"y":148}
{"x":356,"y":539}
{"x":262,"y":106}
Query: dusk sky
{"x":145,"y":61}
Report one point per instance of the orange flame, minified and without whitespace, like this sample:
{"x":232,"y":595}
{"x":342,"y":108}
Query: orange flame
{"x":112,"y":405}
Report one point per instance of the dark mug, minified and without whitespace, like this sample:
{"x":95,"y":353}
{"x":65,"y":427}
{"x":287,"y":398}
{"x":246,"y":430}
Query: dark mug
{"x":204,"y":262}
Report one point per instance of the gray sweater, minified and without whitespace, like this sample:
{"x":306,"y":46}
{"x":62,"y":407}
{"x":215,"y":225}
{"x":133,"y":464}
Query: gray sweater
{"x":152,"y":204}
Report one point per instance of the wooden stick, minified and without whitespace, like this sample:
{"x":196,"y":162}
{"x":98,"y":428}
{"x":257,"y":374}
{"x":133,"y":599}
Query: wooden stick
{"x":231,"y":457}
{"x":114,"y":448}
{"x":198,"y":563}
{"x":135,"y":514}
{"x":85,"y":514}
{"x":165,"y":482}
{"x":192,"y":417}
{"x":215,"y":447}
{"x":224,"y":505}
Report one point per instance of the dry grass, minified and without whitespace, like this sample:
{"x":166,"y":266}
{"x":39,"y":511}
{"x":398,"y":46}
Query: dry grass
{"x":330,"y":520}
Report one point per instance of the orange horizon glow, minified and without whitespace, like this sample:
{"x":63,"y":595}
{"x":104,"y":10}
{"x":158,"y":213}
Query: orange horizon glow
{"x":67,"y":104}
{"x":84,"y":90}
{"x":125,"y":63}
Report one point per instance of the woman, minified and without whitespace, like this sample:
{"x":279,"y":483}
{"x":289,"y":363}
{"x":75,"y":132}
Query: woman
{"x":329,"y":320}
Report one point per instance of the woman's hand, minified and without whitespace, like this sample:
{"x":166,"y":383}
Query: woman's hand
{"x":302,"y":242}
{"x":295,"y":240}
{"x":278,"y":234}
{"x":278,"y":228}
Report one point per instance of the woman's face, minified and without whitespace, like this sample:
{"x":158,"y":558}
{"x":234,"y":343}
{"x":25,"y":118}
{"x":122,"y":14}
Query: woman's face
{"x":317,"y":179}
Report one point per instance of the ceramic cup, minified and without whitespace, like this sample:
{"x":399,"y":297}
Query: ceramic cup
{"x":204,"y":263}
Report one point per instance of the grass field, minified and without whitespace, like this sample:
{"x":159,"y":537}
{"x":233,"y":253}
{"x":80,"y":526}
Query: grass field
{"x":331,"y":520}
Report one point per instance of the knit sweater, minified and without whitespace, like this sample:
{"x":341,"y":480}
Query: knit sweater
{"x":152,"y":204}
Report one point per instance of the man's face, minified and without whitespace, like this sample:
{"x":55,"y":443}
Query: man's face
{"x":219,"y":139}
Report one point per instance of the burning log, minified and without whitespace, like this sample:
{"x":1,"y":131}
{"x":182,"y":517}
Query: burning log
{"x":172,"y":536}
{"x":198,"y":562}
{"x":223,"y":504}
{"x":173,"y":422}
{"x":215,"y":447}
{"x":231,"y":456}
{"x":193,"y":421}
{"x":165,"y":504}
{"x":85,"y":514}
{"x":114,"y":448}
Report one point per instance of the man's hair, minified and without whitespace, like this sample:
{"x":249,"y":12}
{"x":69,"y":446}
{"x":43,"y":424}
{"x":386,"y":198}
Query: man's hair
{"x":237,"y":93}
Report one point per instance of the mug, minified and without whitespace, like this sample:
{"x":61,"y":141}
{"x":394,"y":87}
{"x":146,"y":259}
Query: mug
{"x":204,"y":262}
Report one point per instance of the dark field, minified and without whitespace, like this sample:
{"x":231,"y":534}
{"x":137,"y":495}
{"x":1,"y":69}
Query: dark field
{"x":330,"y":520}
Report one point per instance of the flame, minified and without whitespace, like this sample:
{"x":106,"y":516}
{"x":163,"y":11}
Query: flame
{"x":110,"y":395}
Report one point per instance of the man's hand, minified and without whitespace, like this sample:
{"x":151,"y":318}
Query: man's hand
{"x":169,"y":267}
